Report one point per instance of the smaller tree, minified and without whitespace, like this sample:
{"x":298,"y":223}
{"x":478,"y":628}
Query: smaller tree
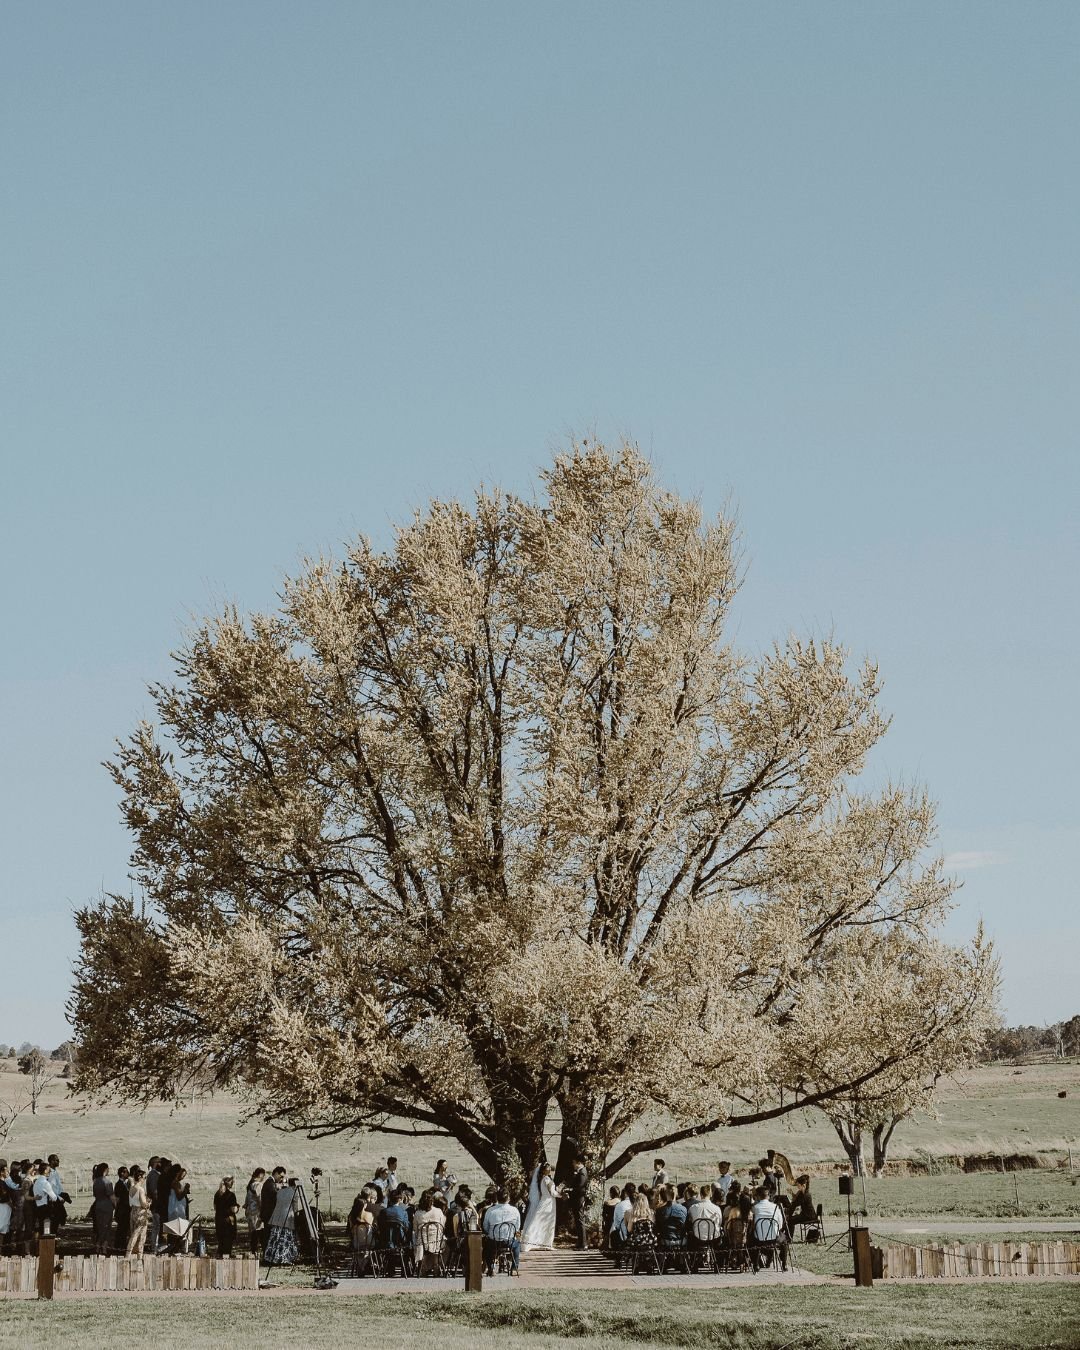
{"x":939,"y":999}
{"x":40,"y":1071}
{"x":65,"y":1052}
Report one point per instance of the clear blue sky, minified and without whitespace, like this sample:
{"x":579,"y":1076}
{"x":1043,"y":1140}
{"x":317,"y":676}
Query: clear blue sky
{"x":273,"y":274}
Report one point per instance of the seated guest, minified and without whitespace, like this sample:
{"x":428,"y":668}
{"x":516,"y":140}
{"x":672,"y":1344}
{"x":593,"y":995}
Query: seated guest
{"x":488,"y":1200}
{"x":620,"y":1230}
{"x":802,"y":1208}
{"x":427,"y":1212}
{"x":732,"y":1202}
{"x":641,"y":1211}
{"x":501,"y":1212}
{"x":768,"y":1225}
{"x":394,"y":1219}
{"x":671,"y":1219}
{"x":462,"y":1214}
{"x":365,"y":1210}
{"x":701,"y":1207}
{"x":737,"y":1220}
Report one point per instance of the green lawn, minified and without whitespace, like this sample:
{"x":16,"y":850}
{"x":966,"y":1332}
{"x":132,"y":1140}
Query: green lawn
{"x":982,"y":1317}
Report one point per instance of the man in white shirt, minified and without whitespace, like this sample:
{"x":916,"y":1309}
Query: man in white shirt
{"x":44,"y":1196}
{"x":701,"y":1207}
{"x":392,"y":1182}
{"x":767,"y":1226}
{"x":660,"y":1176}
{"x":724,"y":1178}
{"x":501,"y":1212}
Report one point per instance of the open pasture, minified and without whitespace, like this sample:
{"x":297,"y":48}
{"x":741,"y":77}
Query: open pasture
{"x":999,"y":1111}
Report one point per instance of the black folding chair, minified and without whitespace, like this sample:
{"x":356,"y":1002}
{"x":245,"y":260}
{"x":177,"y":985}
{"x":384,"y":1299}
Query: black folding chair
{"x":395,"y":1248}
{"x":432,"y":1249}
{"x":735,"y":1253}
{"x":642,"y":1246}
{"x":671,"y":1244}
{"x":702,"y":1252}
{"x":765,"y":1247}
{"x":365,"y":1255}
{"x":502,"y":1251}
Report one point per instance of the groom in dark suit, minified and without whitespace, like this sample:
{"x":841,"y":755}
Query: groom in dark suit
{"x":579,"y":1201}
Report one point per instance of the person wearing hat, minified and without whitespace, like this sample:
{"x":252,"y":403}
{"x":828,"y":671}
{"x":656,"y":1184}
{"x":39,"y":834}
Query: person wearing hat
{"x":225,"y":1206}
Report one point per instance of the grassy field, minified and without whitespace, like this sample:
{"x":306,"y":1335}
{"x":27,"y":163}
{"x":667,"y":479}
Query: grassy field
{"x":903,"y":1317}
{"x":997,"y":1110}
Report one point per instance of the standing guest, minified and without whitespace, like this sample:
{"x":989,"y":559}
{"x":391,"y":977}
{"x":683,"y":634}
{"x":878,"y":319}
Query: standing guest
{"x":579,"y":1202}
{"x":12,"y":1187}
{"x":5,"y":1208}
{"x":659,"y":1175}
{"x":607,"y":1209}
{"x":153,"y":1180}
{"x":29,"y":1210}
{"x":102,"y":1209}
{"x":268,"y":1197}
{"x":62,"y":1197}
{"x":281,"y":1247}
{"x":723,"y":1178}
{"x":381,"y":1182}
{"x":179,"y":1201}
{"x":443,"y":1181}
{"x":252,"y":1198}
{"x":139,"y":1211}
{"x":168,"y":1175}
{"x":392,"y":1182}
{"x":225,"y":1206}
{"x":45,"y":1197}
{"x":122,"y":1198}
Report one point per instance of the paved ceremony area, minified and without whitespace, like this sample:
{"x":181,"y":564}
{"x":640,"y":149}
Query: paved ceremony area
{"x":566,"y":1268}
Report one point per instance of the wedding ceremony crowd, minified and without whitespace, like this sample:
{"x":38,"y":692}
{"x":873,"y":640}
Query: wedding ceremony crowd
{"x":391,"y":1228}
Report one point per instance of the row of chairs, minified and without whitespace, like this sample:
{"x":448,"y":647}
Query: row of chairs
{"x":705,"y":1249}
{"x":392,"y":1250}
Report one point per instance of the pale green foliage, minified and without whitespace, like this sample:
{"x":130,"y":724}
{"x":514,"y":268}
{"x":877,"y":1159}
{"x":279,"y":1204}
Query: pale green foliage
{"x":499,"y":816}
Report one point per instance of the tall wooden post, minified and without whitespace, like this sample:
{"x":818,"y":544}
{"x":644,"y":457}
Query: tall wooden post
{"x":474,"y":1262}
{"x":860,"y":1247}
{"x":46,"y":1262}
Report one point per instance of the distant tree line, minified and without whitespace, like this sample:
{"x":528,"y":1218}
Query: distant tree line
{"x":1058,"y":1038}
{"x":64,"y":1052}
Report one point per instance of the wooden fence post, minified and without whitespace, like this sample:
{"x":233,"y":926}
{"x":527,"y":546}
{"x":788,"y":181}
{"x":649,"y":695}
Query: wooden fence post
{"x":860,"y":1247}
{"x":46,"y":1263}
{"x":474,"y":1262}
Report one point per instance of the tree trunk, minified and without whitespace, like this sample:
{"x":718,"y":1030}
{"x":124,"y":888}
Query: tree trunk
{"x":883,"y":1133}
{"x":849,"y":1133}
{"x":577,"y":1135}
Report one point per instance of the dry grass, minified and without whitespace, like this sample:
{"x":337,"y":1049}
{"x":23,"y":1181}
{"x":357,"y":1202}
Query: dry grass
{"x":976,"y":1317}
{"x":991,"y":1110}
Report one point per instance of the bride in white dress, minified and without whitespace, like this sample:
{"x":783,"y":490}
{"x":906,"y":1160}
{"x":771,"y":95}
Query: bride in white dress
{"x":539,"y":1231}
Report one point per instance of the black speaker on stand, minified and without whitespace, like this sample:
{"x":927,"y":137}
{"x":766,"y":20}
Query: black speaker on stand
{"x":847,"y":1187}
